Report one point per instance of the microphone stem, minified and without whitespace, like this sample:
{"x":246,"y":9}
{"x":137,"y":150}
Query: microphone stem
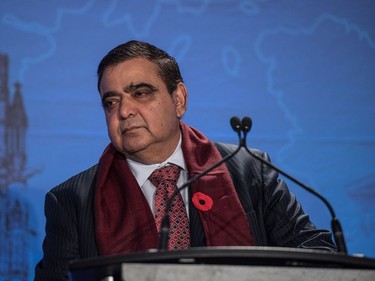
{"x":164,"y":233}
{"x":335,"y":223}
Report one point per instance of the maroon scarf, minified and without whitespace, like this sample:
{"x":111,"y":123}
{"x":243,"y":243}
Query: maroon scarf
{"x":123,"y":219}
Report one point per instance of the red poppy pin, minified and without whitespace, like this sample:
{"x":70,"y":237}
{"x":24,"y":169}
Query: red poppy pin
{"x":202,"y":201}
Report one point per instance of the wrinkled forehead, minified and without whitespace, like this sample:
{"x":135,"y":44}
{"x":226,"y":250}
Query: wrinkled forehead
{"x":138,"y":67}
{"x":130,"y":72}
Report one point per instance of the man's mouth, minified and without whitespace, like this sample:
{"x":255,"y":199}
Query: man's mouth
{"x":130,"y":129}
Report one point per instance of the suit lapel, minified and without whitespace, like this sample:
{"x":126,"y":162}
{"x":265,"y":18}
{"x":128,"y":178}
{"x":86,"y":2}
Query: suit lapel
{"x":196,"y":231}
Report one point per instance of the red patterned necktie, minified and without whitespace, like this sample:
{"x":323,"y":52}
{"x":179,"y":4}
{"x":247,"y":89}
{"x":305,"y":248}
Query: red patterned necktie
{"x":165,"y":180}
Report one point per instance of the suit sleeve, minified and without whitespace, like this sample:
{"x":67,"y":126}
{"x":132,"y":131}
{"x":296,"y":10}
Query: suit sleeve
{"x":61,"y":241}
{"x":287,"y":225}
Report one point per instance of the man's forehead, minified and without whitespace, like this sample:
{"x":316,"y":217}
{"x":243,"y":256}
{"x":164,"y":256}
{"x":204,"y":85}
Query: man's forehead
{"x":132,"y":68}
{"x":131,"y":73}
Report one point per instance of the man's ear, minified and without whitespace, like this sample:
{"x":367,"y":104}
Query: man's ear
{"x":180,"y":95}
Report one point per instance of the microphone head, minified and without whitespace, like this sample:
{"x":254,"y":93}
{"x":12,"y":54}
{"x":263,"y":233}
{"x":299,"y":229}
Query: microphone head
{"x":246,"y":124}
{"x":235,"y":123}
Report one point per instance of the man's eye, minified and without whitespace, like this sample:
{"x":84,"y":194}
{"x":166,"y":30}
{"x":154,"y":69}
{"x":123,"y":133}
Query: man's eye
{"x":108,"y":104}
{"x":140,"y":94}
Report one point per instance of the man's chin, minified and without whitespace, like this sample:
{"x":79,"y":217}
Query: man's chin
{"x":133,"y":151}
{"x":137,"y":145}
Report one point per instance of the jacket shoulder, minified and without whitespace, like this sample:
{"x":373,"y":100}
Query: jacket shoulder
{"x":242,"y":159}
{"x":245,"y":170}
{"x":80,"y":185}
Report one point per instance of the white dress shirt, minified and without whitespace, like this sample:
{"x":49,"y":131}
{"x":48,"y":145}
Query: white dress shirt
{"x":142,"y":172}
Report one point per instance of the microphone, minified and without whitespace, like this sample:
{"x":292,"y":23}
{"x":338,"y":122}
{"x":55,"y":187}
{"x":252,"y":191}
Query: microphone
{"x":236,"y":125}
{"x":165,"y":226}
{"x":246,"y":125}
{"x":335,"y":223}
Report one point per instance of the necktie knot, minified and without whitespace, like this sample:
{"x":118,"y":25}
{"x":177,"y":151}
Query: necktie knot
{"x":168,"y":173}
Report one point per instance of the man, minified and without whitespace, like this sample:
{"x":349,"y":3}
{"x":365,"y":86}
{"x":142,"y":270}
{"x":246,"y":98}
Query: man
{"x":115,"y":206}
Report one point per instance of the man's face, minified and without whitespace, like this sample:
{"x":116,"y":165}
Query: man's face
{"x":142,"y":117}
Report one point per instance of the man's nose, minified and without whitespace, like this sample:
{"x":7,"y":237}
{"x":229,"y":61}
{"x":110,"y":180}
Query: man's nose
{"x":127,"y":108}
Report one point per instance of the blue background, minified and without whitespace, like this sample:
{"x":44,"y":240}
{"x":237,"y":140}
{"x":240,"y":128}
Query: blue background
{"x":304,"y":71}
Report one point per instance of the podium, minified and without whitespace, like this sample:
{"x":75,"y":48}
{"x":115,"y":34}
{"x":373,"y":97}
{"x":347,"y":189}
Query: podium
{"x":225,"y":263}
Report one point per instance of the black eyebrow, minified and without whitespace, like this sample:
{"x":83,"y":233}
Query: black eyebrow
{"x":133,"y":87}
{"x":129,"y":89}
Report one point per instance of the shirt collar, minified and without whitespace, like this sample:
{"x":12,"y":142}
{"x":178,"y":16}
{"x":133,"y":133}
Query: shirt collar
{"x":142,"y":172}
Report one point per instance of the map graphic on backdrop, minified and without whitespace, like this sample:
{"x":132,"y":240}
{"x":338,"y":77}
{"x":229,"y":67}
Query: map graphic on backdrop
{"x":302,"y":70}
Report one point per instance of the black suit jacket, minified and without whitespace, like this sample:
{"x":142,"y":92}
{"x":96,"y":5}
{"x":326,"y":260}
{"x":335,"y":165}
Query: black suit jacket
{"x":275,"y":216}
